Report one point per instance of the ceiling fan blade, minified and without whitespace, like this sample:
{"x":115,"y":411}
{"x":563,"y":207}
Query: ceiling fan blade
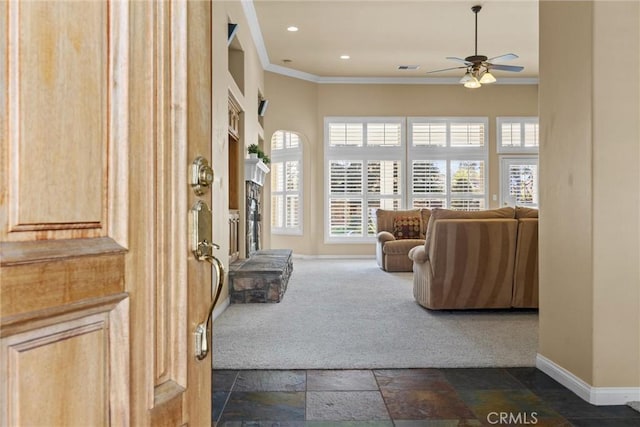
{"x":514,"y":68}
{"x":505,"y":57}
{"x":444,"y":69}
{"x":453,"y":58}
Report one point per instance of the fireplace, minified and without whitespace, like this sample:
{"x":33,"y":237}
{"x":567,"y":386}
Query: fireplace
{"x":254,"y":217}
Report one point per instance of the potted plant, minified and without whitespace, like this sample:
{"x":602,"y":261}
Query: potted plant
{"x":255,"y":150}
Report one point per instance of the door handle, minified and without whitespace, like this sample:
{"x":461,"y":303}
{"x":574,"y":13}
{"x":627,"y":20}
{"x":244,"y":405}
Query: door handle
{"x":203,"y":330}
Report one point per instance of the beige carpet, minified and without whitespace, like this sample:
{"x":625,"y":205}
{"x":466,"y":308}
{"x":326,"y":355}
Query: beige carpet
{"x":349,"y":314}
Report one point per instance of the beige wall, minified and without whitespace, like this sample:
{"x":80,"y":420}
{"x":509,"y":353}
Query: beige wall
{"x":297,"y":106}
{"x":590,"y":190}
{"x":293,"y":107}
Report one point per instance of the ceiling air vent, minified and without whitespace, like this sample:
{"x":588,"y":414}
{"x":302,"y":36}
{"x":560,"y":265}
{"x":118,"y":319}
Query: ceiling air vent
{"x":408,"y":67}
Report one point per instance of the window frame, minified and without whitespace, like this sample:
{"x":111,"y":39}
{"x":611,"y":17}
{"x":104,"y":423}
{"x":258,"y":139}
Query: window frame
{"x":288,"y":154}
{"x":448,"y":154}
{"x":520,"y":149}
{"x":364,"y":153}
{"x":504,"y":177}
{"x":404,"y":154}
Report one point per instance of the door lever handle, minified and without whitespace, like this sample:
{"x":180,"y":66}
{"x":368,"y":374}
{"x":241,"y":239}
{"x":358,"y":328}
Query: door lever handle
{"x":203,"y":330}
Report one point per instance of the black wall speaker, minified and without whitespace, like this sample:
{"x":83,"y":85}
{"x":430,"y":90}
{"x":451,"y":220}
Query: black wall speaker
{"x":262,"y":107}
{"x":232,"y":29}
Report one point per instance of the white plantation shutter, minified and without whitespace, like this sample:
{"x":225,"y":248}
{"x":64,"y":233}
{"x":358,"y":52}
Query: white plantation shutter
{"x":346,"y":198}
{"x":364,"y":170}
{"x":470,"y":134}
{"x":277,"y":141}
{"x":277,"y":211}
{"x":292,"y":208}
{"x":383,"y":177}
{"x":448,"y":172}
{"x":510,"y":134}
{"x":433,"y":134}
{"x":467,"y":176}
{"x":371,"y":164}
{"x":530,"y":138}
{"x":429,"y":183}
{"x":518,"y":174}
{"x":292,"y":175}
{"x":346,"y":134}
{"x":384,"y":134}
{"x":517,"y":134}
{"x":467,"y":185}
{"x":286,"y":183}
{"x":346,"y":177}
{"x":520,"y":179}
{"x":277,"y":177}
{"x":523,"y":184}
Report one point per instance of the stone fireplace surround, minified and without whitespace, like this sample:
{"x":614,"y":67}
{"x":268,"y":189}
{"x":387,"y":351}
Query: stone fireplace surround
{"x":263,"y":276}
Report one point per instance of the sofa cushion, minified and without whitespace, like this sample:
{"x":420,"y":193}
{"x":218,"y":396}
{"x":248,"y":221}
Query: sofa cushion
{"x":425,"y":214}
{"x":522,"y":212}
{"x":407,"y":227}
{"x":439,"y":213}
{"x":401,"y":247}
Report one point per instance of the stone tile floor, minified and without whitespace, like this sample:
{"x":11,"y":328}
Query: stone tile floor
{"x":404,"y":398}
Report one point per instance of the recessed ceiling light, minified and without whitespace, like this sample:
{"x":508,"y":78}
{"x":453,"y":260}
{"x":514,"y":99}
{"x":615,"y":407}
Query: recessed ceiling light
{"x":292,"y":28}
{"x":344,"y":57}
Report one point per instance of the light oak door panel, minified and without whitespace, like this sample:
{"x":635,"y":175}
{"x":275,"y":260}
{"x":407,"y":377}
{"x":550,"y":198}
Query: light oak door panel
{"x":68,"y":372}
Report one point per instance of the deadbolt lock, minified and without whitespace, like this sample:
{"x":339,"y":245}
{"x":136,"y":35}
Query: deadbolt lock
{"x":201,"y":176}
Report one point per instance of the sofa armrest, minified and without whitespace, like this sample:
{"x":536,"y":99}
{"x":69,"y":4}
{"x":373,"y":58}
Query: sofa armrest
{"x":418,"y":254}
{"x":385,"y":236}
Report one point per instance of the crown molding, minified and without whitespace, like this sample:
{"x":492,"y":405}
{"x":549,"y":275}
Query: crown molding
{"x":258,"y":41}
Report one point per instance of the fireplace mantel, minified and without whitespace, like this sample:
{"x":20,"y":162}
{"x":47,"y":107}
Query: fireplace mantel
{"x":255,"y":170}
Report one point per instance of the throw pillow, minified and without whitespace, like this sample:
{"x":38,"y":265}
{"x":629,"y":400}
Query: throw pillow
{"x":406,"y":227}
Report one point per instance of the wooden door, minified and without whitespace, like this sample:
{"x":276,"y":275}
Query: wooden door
{"x":103,"y":105}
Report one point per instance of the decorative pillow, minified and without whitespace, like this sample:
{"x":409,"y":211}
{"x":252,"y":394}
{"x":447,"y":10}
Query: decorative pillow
{"x":406,"y":227}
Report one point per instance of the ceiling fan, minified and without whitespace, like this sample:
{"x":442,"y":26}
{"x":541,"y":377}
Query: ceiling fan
{"x":479,"y":66}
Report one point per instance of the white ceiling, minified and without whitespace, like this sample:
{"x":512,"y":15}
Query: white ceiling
{"x":381,"y":35}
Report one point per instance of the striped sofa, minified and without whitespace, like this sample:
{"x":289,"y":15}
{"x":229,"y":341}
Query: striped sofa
{"x":485,"y":259}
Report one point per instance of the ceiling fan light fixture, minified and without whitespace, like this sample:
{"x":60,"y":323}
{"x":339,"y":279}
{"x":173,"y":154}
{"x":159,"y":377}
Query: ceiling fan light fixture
{"x":467,"y":77}
{"x":487,"y":78}
{"x":472,"y":84}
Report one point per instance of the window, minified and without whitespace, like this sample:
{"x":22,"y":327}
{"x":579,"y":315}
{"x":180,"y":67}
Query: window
{"x":518,"y":136}
{"x":519,"y":181}
{"x":370,"y":164}
{"x":364,"y":168}
{"x":447,"y":162}
{"x":286,"y":183}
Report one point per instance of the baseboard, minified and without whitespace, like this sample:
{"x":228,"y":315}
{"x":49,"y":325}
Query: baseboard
{"x":302,"y":256}
{"x":222,"y":307}
{"x":593,"y":395}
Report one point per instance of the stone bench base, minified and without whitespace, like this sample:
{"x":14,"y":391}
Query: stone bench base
{"x":261,"y":278}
